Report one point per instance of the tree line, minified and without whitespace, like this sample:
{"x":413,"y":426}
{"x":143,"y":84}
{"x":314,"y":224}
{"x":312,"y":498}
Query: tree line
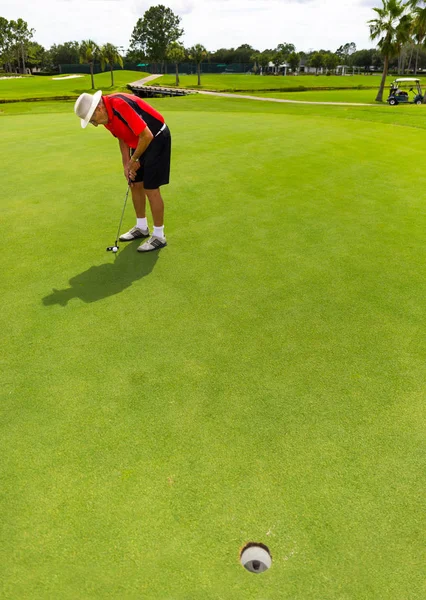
{"x":399,"y":30}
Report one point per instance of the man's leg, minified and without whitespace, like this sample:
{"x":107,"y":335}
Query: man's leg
{"x":139,"y":199}
{"x":157,"y":206}
{"x":158,"y":239}
{"x":139,"y":203}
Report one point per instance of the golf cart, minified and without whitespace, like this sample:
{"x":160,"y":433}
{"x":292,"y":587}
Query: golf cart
{"x":398,"y":95}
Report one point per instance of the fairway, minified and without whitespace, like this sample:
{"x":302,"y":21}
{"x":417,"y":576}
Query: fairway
{"x":352,"y":89}
{"x":240,"y":82}
{"x":47,"y":86}
{"x":259,"y":379}
{"x":349,"y":95}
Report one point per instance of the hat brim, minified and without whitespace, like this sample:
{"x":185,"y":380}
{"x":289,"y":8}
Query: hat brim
{"x":95,"y":102}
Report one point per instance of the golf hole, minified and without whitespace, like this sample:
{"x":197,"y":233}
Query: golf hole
{"x":255,"y":557}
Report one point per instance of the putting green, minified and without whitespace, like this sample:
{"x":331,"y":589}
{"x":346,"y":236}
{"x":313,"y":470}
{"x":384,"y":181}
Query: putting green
{"x":260,"y":379}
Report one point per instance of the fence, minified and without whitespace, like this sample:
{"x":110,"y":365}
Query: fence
{"x":169,"y":68}
{"x":96,"y":68}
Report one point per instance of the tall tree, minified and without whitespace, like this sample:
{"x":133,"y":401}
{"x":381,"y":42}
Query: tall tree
{"x":316,"y":60}
{"x":418,"y":26}
{"x":285,"y":50}
{"x":89,"y":51}
{"x":222,"y":56}
{"x":405,"y":40}
{"x":4,"y":39}
{"x":110,"y":55}
{"x":67,"y":53}
{"x":265,"y":58}
{"x":176,"y":54}
{"x":36,"y":54}
{"x":242,"y":54}
{"x":254,"y":58}
{"x":7,"y":51}
{"x":21,"y":36}
{"x":277,"y":59}
{"x":198,"y":53}
{"x":294,"y":61}
{"x":345,"y":51}
{"x":154,"y":33}
{"x":331,"y":60}
{"x":4,"y":28}
{"x":391,"y":28}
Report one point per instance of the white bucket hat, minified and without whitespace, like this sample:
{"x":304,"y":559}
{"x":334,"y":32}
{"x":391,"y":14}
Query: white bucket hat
{"x":85,"y":106}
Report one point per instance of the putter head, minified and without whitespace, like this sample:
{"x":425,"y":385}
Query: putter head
{"x":112,"y":248}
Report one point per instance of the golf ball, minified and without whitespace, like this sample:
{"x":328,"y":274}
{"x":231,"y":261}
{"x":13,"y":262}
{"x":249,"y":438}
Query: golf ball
{"x":115,"y":249}
{"x":256,"y":558}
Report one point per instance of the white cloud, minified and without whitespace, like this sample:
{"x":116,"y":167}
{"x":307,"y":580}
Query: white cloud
{"x":370,"y":3}
{"x":179,"y":7}
{"x":214,"y":23}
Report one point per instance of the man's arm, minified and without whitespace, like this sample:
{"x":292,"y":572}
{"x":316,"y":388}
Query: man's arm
{"x":125,"y":156}
{"x":145,"y":139}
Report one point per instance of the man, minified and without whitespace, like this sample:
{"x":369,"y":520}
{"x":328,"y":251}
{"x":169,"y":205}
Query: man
{"x":145,"y":146}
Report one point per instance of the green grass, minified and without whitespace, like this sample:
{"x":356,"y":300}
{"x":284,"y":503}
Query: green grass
{"x":362,"y":96}
{"x":261,"y":378}
{"x":45,"y":87}
{"x":252,"y":82}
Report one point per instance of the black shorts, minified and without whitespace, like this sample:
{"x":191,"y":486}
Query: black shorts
{"x":154,"y":168}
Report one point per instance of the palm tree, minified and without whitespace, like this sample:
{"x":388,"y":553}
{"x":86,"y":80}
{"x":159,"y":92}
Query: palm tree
{"x":198,"y":53}
{"x":88,"y":52}
{"x":391,"y":28}
{"x":176,"y":53}
{"x":419,"y":25}
{"x":110,"y":55}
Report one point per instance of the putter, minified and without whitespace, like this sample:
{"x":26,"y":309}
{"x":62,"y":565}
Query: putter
{"x":116,"y":247}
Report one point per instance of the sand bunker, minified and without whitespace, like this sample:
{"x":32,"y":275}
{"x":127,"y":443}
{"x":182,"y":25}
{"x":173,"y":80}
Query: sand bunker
{"x":68,"y":77}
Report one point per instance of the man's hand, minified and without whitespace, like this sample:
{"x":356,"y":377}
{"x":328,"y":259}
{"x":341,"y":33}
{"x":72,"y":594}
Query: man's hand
{"x":130,"y":170}
{"x":131,"y":166}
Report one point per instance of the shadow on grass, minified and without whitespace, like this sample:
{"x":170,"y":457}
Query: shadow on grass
{"x":108,"y":279}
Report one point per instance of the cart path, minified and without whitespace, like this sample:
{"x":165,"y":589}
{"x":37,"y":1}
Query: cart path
{"x":225,"y":95}
{"x":246,"y":97}
{"x":145,"y":79}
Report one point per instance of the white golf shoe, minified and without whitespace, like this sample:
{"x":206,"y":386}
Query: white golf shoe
{"x":134,"y":234}
{"x":154,"y":243}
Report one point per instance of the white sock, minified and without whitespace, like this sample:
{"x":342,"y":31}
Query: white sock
{"x":158,"y":231}
{"x":142,"y":223}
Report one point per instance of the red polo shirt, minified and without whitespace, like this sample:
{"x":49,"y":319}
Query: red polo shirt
{"x":129,"y":115}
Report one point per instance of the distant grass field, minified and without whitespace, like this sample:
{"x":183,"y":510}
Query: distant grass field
{"x":261,"y":378}
{"x":47,"y":87}
{"x":349,"y":95}
{"x":406,"y":116}
{"x":43,"y":87}
{"x":256,"y":82}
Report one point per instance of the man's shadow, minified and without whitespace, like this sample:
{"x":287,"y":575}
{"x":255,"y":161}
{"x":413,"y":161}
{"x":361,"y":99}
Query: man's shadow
{"x":108,"y":279}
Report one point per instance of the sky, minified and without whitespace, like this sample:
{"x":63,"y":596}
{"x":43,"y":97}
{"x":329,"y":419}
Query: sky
{"x":308,"y":24}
